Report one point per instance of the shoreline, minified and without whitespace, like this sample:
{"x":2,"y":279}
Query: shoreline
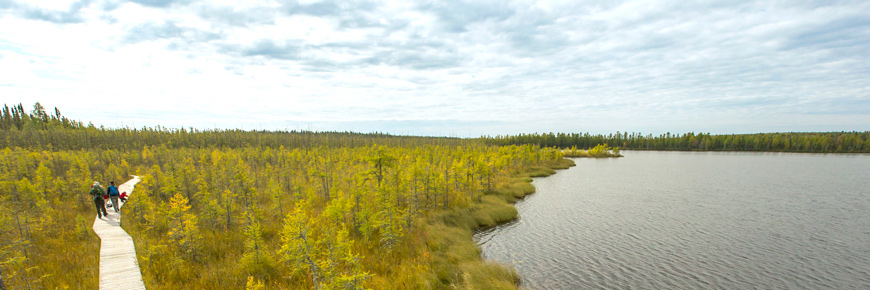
{"x":457,"y":258}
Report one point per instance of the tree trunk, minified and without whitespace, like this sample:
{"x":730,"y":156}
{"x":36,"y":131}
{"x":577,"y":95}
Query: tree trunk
{"x":312,"y":266}
{"x":228,"y":211}
{"x":353,"y":214}
{"x":426,"y":191}
{"x":446,"y":187}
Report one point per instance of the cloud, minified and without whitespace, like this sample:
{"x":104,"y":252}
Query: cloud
{"x":456,"y":16}
{"x":508,"y":66}
{"x":268,"y":48}
{"x":7,"y":4}
{"x":70,"y":15}
{"x":320,"y":8}
{"x":167,"y":30}
{"x":231,"y":16}
{"x":160,"y":3}
{"x":418,"y":60}
{"x":839,"y":33}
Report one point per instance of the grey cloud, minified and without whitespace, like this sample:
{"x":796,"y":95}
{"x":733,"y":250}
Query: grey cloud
{"x":350,"y":14}
{"x":52,"y":16}
{"x":317,"y":9}
{"x":769,"y":103}
{"x":7,"y":4}
{"x":365,"y":20}
{"x":322,"y":8}
{"x":839,"y":33}
{"x":232,"y":17}
{"x":815,"y":4}
{"x":109,"y":5}
{"x":160,"y":3}
{"x":533,"y":32}
{"x":665,"y":59}
{"x":339,"y":110}
{"x":168,"y":30}
{"x":415,"y":53}
{"x":269,"y":49}
{"x":356,"y":14}
{"x":837,"y":105}
{"x":71,"y":15}
{"x":456,"y":16}
{"x":417,"y":59}
{"x":323,"y":65}
{"x":531,"y":41}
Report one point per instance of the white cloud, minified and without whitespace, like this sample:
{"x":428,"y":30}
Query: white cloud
{"x":445,"y":66}
{"x":53,"y":4}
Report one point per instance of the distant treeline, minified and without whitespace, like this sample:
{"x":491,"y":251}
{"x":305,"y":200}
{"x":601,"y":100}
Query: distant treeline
{"x":830,"y":142}
{"x":40,"y":130}
{"x":16,"y":118}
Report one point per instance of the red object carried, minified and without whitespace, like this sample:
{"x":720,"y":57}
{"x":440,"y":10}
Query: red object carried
{"x":106,"y":196}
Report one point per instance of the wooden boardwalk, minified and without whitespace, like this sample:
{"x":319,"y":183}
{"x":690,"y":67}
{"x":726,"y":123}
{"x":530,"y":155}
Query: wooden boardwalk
{"x":119,"y":268}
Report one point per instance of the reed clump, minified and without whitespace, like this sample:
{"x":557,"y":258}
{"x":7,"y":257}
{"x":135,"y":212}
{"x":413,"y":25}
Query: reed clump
{"x":541,"y":172}
{"x":489,"y":275}
{"x":563,"y":164}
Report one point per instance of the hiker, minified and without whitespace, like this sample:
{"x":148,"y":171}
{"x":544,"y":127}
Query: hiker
{"x":124,"y":196}
{"x":97,"y":193}
{"x":113,"y":194}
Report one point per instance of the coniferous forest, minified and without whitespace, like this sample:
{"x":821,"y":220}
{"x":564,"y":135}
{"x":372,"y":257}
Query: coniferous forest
{"x":831,"y":142}
{"x":232,"y":209}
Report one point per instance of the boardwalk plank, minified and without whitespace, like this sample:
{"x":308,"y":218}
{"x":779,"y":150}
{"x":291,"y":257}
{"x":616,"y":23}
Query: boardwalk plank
{"x":119,"y":268}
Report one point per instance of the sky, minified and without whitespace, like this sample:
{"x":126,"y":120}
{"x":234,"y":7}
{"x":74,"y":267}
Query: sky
{"x":443,"y":68}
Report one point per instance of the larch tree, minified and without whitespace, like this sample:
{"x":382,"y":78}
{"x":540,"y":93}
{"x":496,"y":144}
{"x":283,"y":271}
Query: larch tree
{"x":299,"y":247}
{"x":184,"y":236}
{"x":256,"y":259}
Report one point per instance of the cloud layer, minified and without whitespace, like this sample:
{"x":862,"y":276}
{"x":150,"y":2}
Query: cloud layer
{"x":445,"y":67}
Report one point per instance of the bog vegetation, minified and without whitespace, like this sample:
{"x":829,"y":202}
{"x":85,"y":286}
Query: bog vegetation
{"x":258,"y":210}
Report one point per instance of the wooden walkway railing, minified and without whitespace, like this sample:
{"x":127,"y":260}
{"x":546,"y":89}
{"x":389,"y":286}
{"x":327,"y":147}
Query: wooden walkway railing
{"x":119,"y":268}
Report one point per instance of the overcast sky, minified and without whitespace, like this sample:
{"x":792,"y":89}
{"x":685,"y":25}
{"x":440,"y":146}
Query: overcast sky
{"x":449,"y":68}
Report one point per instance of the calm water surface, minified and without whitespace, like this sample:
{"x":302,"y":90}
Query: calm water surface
{"x":693,"y":220}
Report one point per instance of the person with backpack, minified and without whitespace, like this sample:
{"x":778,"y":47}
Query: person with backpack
{"x":113,"y":194}
{"x":97,"y":194}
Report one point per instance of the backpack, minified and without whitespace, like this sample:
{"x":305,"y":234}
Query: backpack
{"x":96,"y":192}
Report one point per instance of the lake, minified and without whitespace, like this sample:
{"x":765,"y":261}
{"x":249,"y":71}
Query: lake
{"x":694,"y":220}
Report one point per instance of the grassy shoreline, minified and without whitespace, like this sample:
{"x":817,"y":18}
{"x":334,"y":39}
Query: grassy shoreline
{"x":456,"y":257}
